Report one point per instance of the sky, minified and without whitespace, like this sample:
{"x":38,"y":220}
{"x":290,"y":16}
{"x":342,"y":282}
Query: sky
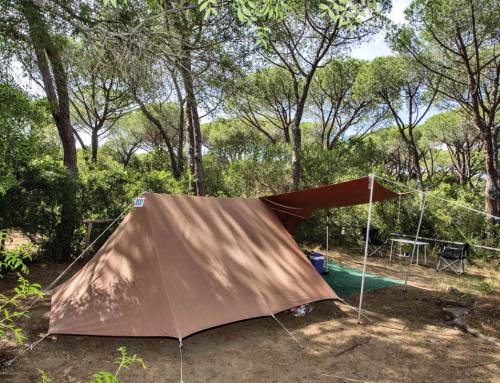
{"x":377,"y":46}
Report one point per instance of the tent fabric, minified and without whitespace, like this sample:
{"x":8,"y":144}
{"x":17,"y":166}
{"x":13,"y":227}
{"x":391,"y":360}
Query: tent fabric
{"x":181,"y":264}
{"x":293,"y":207}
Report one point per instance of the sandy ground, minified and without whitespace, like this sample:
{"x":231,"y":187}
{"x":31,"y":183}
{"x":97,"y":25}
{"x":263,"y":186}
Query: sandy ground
{"x":408,"y":341}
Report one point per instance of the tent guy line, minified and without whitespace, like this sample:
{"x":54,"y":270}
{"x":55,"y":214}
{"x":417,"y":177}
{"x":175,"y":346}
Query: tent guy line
{"x":180,"y":357}
{"x":424,"y":194}
{"x":48,"y":288}
{"x":89,"y":246}
{"x":52,"y":284}
{"x":28,"y":348}
{"x":279,"y":204}
{"x":288,"y":332}
{"x":439,"y":198}
{"x":287,"y":212}
{"x":450,"y":242}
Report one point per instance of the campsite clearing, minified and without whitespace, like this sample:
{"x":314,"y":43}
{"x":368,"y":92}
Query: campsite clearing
{"x":409,"y":341}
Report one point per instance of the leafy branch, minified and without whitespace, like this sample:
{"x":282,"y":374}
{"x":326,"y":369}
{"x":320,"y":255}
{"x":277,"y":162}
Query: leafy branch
{"x":15,"y":260}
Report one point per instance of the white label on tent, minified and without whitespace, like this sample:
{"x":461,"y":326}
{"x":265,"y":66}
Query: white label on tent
{"x":139,"y":202}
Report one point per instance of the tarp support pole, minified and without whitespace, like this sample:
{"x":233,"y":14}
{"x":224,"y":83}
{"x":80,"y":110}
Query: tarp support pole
{"x":326,"y":257}
{"x":367,"y":239}
{"x":422,"y":209}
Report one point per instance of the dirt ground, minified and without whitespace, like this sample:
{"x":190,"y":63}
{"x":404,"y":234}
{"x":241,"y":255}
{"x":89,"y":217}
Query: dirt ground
{"x":409,"y":339}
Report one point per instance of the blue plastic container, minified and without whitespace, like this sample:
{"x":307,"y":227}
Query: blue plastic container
{"x":318,"y":261}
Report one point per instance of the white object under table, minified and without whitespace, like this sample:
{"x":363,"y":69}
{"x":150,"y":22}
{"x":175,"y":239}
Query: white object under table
{"x":412,"y":242}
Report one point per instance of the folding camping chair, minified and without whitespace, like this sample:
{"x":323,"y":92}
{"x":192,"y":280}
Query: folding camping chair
{"x":453,"y":257}
{"x":375,"y":243}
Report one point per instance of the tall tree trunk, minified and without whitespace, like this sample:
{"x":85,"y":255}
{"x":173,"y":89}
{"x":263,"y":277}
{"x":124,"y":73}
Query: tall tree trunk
{"x":462,"y":163}
{"x":286,"y":131}
{"x":180,"y":144}
{"x":181,"y":126}
{"x":179,"y":19}
{"x":192,"y":105}
{"x":163,"y":133}
{"x":489,"y":135}
{"x":492,"y":191}
{"x":52,"y":71}
{"x":411,"y":147}
{"x":416,"y":166}
{"x":190,"y":148}
{"x":54,"y":80}
{"x":296,"y":131}
{"x":296,"y":154}
{"x":95,"y":144}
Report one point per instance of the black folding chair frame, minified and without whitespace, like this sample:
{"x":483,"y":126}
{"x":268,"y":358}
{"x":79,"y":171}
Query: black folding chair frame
{"x":447,"y":259}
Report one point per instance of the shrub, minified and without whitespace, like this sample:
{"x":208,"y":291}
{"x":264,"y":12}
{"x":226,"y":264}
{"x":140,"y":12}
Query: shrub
{"x":15,"y":261}
{"x":42,"y":204}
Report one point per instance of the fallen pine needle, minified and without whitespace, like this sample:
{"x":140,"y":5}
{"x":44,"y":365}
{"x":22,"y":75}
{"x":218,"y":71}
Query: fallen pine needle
{"x":343,"y":378}
{"x":475,"y":365}
{"x":352,"y":347}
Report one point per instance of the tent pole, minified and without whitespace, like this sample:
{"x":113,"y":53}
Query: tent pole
{"x":422,"y":209}
{"x":367,"y":238}
{"x":326,"y":258}
{"x":399,"y":213}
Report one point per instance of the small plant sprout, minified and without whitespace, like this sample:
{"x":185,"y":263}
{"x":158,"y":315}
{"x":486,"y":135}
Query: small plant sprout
{"x":124,"y":360}
{"x":44,"y":377}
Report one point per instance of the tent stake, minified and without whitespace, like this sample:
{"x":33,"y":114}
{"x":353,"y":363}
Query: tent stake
{"x":367,"y":239}
{"x":29,"y":348}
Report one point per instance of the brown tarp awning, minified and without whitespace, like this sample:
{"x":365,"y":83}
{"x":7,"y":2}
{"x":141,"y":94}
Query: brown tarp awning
{"x":181,"y":264}
{"x":293,"y":207}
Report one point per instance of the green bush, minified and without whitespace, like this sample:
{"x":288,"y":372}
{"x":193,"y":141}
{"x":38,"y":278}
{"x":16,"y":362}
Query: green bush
{"x":35,"y":203}
{"x":16,"y":261}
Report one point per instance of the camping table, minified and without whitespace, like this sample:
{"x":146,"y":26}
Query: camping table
{"x":409,"y":242}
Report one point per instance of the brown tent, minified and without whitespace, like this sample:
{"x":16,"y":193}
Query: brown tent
{"x":179,"y":265}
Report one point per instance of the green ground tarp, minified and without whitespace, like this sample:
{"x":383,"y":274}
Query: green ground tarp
{"x":346,"y":281}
